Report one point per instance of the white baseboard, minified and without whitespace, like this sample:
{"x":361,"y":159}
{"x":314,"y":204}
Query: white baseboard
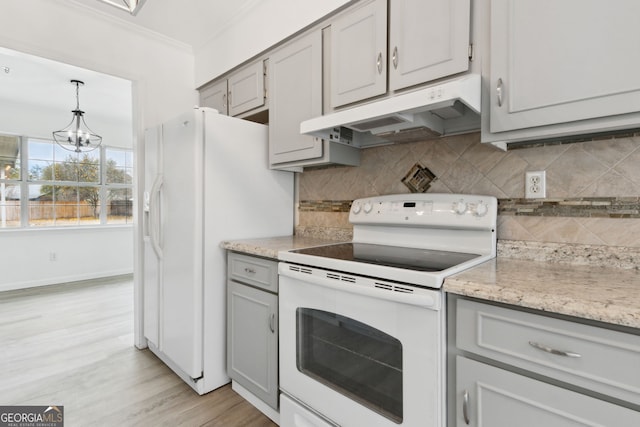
{"x":62,"y":279}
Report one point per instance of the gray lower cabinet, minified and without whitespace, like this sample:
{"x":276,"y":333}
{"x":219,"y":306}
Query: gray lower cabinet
{"x":489,"y":396}
{"x":252,"y":325}
{"x":514,"y":367}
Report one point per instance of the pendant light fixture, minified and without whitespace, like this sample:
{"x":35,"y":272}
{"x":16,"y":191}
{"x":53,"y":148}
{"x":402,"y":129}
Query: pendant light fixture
{"x":77,"y":136}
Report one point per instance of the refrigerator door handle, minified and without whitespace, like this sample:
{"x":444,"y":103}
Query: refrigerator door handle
{"x":154,"y":216}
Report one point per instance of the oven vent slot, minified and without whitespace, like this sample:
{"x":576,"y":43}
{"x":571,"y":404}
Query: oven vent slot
{"x":394,"y":288}
{"x":300,"y":269}
{"x":341,"y":277}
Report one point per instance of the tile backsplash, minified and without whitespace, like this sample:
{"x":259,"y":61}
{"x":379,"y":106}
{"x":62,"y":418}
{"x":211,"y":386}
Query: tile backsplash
{"x":593,"y":187}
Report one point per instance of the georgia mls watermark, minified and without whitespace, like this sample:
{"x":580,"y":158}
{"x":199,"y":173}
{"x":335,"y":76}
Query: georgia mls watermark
{"x":31,"y":416}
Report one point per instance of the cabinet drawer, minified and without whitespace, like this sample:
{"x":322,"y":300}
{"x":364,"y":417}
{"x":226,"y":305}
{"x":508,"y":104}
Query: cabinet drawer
{"x":259,"y":272}
{"x":598,"y":359}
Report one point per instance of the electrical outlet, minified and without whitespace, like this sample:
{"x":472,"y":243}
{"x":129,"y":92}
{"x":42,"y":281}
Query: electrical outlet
{"x":53,"y":256}
{"x":535,"y":185}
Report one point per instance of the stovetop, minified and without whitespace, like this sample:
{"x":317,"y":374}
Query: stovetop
{"x":390,"y":256}
{"x":417,"y":239}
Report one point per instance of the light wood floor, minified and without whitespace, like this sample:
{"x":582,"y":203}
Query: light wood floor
{"x":72,"y":345}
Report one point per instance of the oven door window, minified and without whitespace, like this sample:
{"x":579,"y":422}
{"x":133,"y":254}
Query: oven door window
{"x":352,"y":358}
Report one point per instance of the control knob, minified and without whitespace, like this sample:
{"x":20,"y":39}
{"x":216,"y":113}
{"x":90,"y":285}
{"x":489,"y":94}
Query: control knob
{"x":356,"y":208}
{"x":367,"y":207}
{"x":460,"y":207}
{"x":481,"y":209}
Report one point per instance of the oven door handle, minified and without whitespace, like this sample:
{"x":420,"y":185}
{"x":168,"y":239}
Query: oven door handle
{"x":429,"y":300}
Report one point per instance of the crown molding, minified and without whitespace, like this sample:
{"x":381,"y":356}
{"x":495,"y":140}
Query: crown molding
{"x":82,"y":7}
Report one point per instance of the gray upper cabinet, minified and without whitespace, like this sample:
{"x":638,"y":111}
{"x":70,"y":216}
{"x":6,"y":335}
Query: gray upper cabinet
{"x":579,"y":62}
{"x":295,"y":80}
{"x":215,"y":96}
{"x":247,"y":89}
{"x":427,"y":40}
{"x":359,"y":54}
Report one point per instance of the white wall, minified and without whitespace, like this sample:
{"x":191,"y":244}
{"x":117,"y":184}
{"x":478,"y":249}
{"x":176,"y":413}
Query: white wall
{"x":162,"y":75}
{"x":268,"y":23}
{"x":79,"y":254}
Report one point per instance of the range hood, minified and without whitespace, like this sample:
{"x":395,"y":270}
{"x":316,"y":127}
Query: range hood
{"x":447,"y":108}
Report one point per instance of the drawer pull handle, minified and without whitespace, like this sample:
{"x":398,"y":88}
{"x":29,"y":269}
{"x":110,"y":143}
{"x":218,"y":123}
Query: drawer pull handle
{"x":249,"y":270}
{"x":272,"y":323}
{"x":465,"y":407}
{"x":499,"y":92}
{"x":553,"y":350}
{"x":379,"y":63}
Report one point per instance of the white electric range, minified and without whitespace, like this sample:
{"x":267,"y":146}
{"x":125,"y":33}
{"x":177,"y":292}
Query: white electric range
{"x":362,"y":323}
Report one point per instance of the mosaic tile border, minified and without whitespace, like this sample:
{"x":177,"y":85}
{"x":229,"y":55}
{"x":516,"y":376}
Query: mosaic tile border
{"x":324,"y":205}
{"x":588,"y":207}
{"x":582,"y":207}
{"x":628,"y":133}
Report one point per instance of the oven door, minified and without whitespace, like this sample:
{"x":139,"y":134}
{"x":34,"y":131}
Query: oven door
{"x":360,"y":351}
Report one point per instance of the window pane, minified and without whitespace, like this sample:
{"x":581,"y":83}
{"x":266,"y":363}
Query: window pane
{"x":9,"y":157}
{"x":41,"y":205}
{"x":120,"y":206}
{"x":77,"y":169}
{"x":9,"y":205}
{"x":119,"y":165}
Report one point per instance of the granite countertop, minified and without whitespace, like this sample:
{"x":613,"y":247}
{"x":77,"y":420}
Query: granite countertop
{"x":270,"y":246}
{"x":605,"y":294}
{"x":596,"y":292}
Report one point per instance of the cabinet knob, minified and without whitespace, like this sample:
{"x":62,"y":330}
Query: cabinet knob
{"x":249,"y":270}
{"x":379,"y":63}
{"x":395,"y":58}
{"x":465,"y":407}
{"x":499,"y":92}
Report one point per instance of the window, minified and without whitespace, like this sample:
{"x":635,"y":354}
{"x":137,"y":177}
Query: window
{"x":58,"y":188}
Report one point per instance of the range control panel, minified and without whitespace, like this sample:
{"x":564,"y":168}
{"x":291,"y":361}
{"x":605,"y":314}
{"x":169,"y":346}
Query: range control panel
{"x":425,"y":209}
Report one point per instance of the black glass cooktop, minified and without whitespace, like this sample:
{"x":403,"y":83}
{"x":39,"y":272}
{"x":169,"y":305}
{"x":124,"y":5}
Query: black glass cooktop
{"x":391,"y":256}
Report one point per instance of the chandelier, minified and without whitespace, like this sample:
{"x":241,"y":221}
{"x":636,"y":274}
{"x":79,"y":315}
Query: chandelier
{"x":77,"y":136}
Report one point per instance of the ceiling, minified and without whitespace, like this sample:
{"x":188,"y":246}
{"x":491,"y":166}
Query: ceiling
{"x":31,"y":80}
{"x":27,"y":79}
{"x":193,"y":22}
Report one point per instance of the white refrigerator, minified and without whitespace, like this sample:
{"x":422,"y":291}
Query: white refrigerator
{"x":206,"y":180}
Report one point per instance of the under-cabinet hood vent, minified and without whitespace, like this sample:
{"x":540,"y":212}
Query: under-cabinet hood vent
{"x":447,"y":108}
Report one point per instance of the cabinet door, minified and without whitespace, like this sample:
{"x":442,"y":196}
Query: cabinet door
{"x":246,"y":89}
{"x":252,"y":340}
{"x":295,"y":82}
{"x":215,"y":96}
{"x":359,"y":54}
{"x":488,"y":396}
{"x":562,"y":61}
{"x":428,"y":39}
